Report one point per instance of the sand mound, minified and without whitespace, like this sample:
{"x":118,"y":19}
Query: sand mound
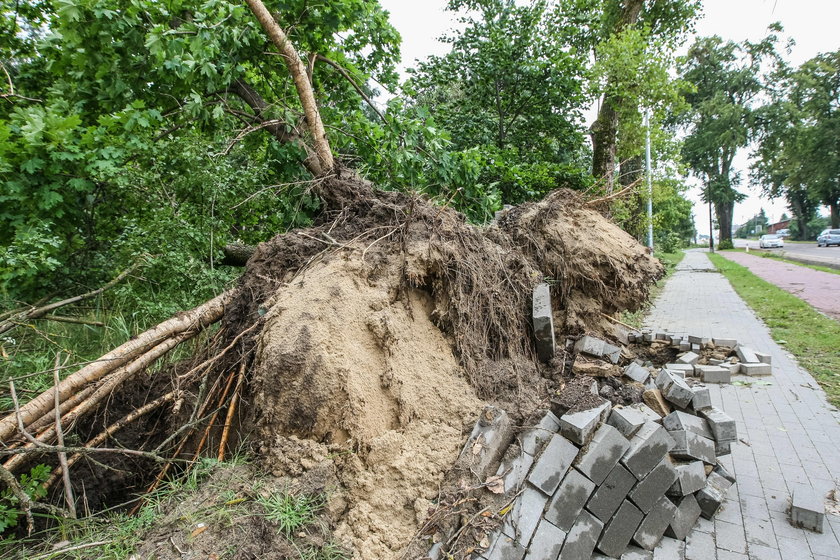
{"x":342,"y":361}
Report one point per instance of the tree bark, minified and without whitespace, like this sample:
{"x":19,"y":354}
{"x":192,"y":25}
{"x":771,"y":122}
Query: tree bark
{"x":724,"y":212}
{"x":302,"y":84}
{"x":835,"y":214}
{"x":604,"y":132}
{"x":237,"y":254}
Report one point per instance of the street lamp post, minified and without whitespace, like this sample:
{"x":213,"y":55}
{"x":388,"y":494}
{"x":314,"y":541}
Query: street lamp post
{"x":649,"y":184}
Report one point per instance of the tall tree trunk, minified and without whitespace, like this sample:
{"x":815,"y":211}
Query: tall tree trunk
{"x":835,"y":214}
{"x":604,"y":132}
{"x":724,"y":212}
{"x":304,"y":87}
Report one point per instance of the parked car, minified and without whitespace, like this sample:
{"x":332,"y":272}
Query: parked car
{"x":770,"y":241}
{"x":783,"y":233}
{"x":828,"y":237}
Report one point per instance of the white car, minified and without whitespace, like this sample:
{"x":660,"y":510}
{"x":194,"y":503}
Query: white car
{"x":771,"y":241}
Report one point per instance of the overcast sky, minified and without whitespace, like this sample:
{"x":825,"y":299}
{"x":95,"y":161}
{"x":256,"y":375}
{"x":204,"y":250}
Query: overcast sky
{"x":813,"y":24}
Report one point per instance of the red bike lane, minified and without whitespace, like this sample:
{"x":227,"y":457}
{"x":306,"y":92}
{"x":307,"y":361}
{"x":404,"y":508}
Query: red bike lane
{"x":820,"y":289}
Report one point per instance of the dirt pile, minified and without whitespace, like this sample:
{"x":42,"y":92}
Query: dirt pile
{"x":388,"y":327}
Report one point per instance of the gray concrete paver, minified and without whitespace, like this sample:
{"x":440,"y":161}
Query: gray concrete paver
{"x":788,"y":431}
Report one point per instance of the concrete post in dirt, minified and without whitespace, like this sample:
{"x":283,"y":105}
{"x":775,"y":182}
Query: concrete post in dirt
{"x":543,"y":322}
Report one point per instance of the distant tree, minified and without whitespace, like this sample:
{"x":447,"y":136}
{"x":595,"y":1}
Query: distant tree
{"x":511,"y":87}
{"x":727,"y":80}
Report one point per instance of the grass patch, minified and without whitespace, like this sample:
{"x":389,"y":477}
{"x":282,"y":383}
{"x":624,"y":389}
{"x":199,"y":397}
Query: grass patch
{"x":778,"y":257}
{"x":669,"y":261}
{"x":810,"y":336}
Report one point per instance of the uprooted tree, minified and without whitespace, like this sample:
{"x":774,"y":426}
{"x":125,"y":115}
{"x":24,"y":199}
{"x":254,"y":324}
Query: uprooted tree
{"x":389,"y":319}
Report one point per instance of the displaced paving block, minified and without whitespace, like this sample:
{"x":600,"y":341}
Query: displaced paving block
{"x":764,"y":358}
{"x":691,"y":477}
{"x":660,"y":335}
{"x":674,"y":388}
{"x":654,"y":524}
{"x":695,"y":348}
{"x":602,"y":454}
{"x":721,"y":470}
{"x":723,"y":481}
{"x":543,"y":322}
{"x":646,"y":411}
{"x":647,"y":448}
{"x":552,"y":464}
{"x":654,"y":399}
{"x":676,"y":341}
{"x":581,"y":540}
{"x":514,"y":468}
{"x":688,"y":422}
{"x":637,"y":373}
{"x":568,"y":501}
{"x":714,"y":374}
{"x":590,"y":345}
{"x":712,"y":496}
{"x":547,"y":542}
{"x":746,"y":355}
{"x":687,"y":370}
{"x":701,"y":340}
{"x":650,"y":489}
{"x":609,"y":495}
{"x":756,"y":369}
{"x":702,"y":398}
{"x":722,"y":449}
{"x":729,"y":342}
{"x":648,"y":336}
{"x":620,"y":529}
{"x":715,"y":362}
{"x":686,"y":516}
{"x":688,"y":358}
{"x":579,"y":426}
{"x":524,"y":515}
{"x":612,"y":353}
{"x":721,"y":424}
{"x":535,"y":437}
{"x":807,"y":508}
{"x":690,"y":446}
{"x":488,"y":441}
{"x":685,"y":346}
{"x":709,"y":499}
{"x":505,"y":548}
{"x":626,"y":420}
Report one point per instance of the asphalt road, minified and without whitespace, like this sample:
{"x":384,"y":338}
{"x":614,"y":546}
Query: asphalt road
{"x":829,"y":256}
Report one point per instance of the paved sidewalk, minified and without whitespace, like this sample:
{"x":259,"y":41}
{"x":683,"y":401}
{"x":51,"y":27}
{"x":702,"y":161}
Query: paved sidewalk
{"x":789,"y":433}
{"x":820,"y":289}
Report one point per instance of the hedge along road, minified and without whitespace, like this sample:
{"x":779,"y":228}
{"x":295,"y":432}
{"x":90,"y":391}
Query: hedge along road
{"x":820,"y":289}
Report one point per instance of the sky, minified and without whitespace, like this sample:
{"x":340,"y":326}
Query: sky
{"x":812,"y":24}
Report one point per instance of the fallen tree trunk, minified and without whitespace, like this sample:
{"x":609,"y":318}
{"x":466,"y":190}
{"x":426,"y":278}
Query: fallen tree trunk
{"x":237,"y":254}
{"x":193,"y":320}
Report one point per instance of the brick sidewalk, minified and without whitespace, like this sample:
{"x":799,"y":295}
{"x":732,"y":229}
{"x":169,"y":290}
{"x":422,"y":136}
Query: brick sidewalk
{"x":789,"y":432}
{"x":820,"y":289}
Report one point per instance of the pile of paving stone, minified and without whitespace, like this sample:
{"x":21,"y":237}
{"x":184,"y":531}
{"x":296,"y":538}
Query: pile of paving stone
{"x":594,"y":477}
{"x":712,"y":360}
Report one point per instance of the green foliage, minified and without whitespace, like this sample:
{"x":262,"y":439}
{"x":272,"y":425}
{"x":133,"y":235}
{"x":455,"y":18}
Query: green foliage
{"x":32,"y":486}
{"x":510,"y":89}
